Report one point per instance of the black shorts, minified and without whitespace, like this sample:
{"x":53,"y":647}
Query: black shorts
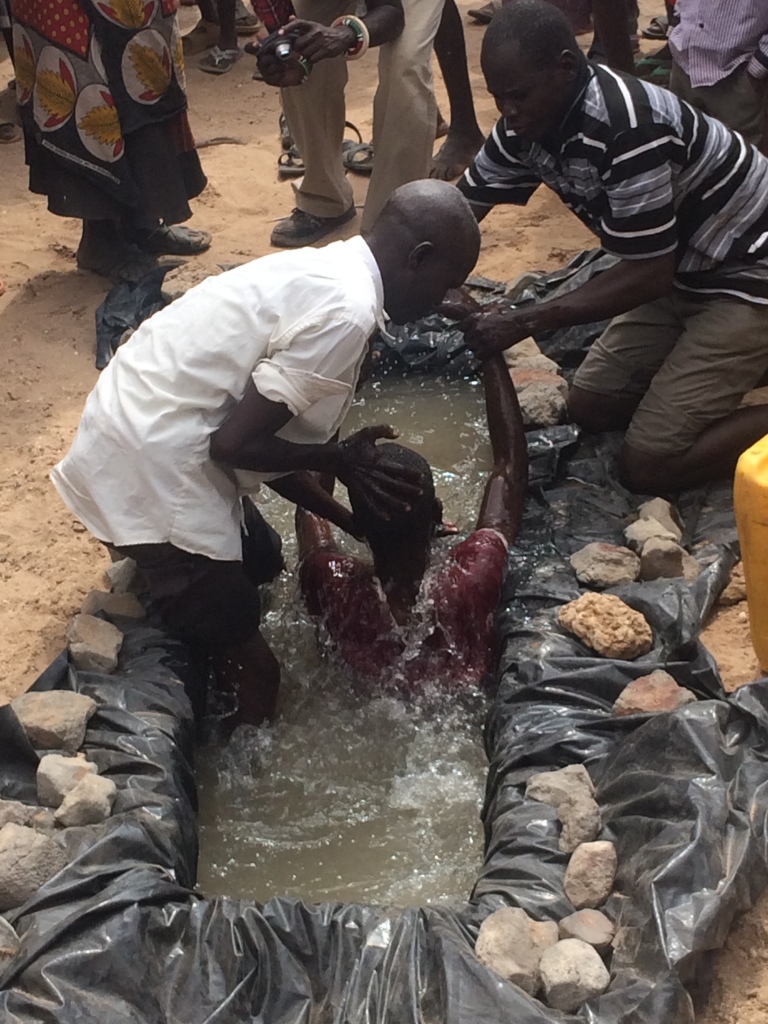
{"x":205,"y":602}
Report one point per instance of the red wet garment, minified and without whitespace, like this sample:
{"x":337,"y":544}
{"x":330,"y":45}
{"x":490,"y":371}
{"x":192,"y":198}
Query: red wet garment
{"x":449,"y":640}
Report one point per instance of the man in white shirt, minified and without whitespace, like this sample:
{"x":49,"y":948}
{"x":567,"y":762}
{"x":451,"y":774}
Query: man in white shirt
{"x":245,"y":380}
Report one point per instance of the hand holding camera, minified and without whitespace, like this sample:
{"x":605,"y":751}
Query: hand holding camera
{"x":286,"y":56}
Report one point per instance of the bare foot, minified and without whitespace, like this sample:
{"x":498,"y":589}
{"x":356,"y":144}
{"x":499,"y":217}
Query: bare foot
{"x":455,"y":155}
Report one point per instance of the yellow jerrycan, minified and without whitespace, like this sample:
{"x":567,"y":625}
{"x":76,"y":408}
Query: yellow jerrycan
{"x":750,"y":498}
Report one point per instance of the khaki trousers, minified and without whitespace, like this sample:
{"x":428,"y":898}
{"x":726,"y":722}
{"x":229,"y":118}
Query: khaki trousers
{"x":404,"y":113}
{"x":732,"y":100}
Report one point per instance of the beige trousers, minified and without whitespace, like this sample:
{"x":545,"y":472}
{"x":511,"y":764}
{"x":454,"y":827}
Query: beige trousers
{"x":404,"y":113}
{"x":732,"y":100}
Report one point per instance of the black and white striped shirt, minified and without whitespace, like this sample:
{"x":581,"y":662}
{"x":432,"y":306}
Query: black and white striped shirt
{"x":649,"y":175}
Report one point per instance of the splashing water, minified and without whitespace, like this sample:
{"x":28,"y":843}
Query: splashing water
{"x":354,"y":794}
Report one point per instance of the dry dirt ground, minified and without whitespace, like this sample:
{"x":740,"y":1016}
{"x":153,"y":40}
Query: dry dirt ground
{"x":47,"y":561}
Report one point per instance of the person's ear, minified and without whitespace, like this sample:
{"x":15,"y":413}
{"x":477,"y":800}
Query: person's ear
{"x":568,"y":65}
{"x":418,"y":255}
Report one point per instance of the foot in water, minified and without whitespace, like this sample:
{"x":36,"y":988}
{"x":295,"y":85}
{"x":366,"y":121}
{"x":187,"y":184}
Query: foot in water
{"x":455,"y":155}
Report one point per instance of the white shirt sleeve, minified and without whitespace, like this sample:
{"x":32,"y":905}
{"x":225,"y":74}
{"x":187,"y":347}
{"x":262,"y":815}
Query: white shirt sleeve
{"x":315,"y":361}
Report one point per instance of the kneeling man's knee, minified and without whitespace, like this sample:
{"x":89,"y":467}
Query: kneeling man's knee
{"x":646,"y":472}
{"x":592,"y":412}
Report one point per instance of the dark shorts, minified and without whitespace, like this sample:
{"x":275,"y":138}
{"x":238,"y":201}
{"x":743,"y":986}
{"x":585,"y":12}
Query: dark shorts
{"x":208,"y":603}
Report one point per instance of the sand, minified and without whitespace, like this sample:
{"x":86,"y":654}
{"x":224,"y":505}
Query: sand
{"x":47,"y":562}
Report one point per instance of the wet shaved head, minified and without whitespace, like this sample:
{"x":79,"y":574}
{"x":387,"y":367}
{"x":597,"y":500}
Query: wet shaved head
{"x":425,"y":240}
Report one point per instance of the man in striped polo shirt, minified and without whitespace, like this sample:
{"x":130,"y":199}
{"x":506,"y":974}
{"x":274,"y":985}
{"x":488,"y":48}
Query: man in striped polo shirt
{"x":681,"y":201}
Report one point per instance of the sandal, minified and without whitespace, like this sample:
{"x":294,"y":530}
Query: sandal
{"x":9,"y":132}
{"x":290,"y":164}
{"x":176,"y":241}
{"x":358,"y":157}
{"x":657,"y":28}
{"x":247,"y":25}
{"x":219,"y":62}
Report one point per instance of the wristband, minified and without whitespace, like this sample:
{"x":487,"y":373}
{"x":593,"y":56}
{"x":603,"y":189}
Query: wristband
{"x":363,"y":36}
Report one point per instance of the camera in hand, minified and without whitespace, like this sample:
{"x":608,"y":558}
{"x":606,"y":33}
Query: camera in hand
{"x":280,"y":43}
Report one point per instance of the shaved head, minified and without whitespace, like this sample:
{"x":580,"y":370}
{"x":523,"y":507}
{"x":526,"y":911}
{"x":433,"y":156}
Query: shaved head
{"x":539,"y":32}
{"x":433,"y":211}
{"x":425,"y":241}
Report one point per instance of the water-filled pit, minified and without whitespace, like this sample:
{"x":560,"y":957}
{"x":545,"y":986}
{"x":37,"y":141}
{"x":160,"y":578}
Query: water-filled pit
{"x":352,"y":794}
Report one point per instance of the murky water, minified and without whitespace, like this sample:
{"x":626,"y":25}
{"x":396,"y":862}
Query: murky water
{"x":350,"y":795}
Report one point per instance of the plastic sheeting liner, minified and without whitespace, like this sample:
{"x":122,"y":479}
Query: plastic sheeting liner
{"x":121,"y":936}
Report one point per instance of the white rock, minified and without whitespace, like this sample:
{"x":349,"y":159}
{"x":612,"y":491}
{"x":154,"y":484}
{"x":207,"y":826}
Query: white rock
{"x":121,"y":576}
{"x":661,"y":559}
{"x":543,"y":404}
{"x":605,"y":565}
{"x":88,"y":803}
{"x":57,"y":775}
{"x":16,"y":812}
{"x":663,"y":512}
{"x":54,"y":720}
{"x":644,"y":530}
{"x":27,"y":860}
{"x":524,"y":350}
{"x":10,"y":944}
{"x":590,"y":874}
{"x":564,"y":784}
{"x":511,"y":945}
{"x":94,"y":643}
{"x":590,"y":926}
{"x":580,"y":817}
{"x":126,"y":605}
{"x":571,"y":973}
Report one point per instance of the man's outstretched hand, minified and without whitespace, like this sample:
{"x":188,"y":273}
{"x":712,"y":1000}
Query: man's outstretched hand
{"x":371,"y":476}
{"x":488,"y":334}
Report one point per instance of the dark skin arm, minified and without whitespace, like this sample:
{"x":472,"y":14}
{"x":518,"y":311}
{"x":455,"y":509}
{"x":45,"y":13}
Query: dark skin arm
{"x":505,"y":491}
{"x":612,"y":25}
{"x":246,"y":440}
{"x":314,"y":42}
{"x":306,"y":491}
{"x":627,"y":285}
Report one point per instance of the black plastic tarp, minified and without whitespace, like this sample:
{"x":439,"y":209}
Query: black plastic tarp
{"x":121,"y":936}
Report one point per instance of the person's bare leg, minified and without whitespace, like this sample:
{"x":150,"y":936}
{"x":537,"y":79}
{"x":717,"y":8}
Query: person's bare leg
{"x":252,"y":672}
{"x":713,"y":456}
{"x":464,"y":137}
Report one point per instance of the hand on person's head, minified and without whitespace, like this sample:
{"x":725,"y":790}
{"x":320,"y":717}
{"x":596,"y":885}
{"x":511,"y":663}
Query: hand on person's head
{"x":371,"y":477}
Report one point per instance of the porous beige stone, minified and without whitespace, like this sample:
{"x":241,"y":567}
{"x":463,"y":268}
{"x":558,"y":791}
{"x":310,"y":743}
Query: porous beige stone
{"x":607,"y":625}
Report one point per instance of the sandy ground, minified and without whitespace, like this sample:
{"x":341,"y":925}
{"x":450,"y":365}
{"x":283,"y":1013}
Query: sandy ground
{"x":47,"y":562}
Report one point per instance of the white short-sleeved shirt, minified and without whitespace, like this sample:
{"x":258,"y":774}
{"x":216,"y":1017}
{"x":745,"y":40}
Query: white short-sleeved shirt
{"x":296,"y":323}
